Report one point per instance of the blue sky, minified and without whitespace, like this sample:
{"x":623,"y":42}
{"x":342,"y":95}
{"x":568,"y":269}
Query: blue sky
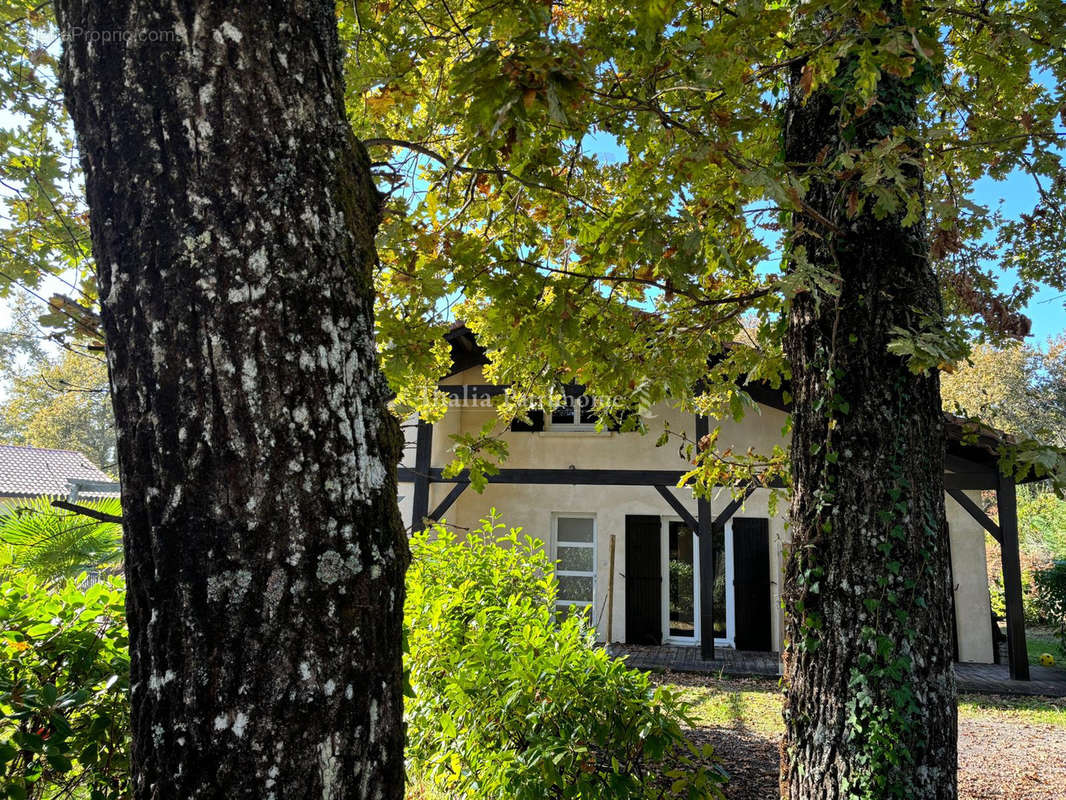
{"x":1015,"y":195}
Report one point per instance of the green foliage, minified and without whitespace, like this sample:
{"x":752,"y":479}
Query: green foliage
{"x":599,"y":190}
{"x":1020,"y":389}
{"x":64,"y":691}
{"x":511,"y":702}
{"x":1042,"y":540}
{"x":54,"y":545}
{"x":43,"y":226}
{"x":507,"y":703}
{"x":478,"y":453}
{"x":1033,"y":610}
{"x":500,"y":125}
{"x":929,"y":348}
{"x":1042,"y":522}
{"x":1051,"y":590}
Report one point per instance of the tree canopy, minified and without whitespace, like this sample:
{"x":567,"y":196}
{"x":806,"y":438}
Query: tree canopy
{"x":600,"y":192}
{"x":614,"y":196}
{"x":580,"y":181}
{"x":1018,"y":388}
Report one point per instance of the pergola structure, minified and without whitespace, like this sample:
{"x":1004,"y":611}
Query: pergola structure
{"x":971,"y":463}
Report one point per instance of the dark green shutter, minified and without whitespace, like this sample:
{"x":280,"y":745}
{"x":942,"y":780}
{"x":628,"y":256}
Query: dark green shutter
{"x":751,"y":583}
{"x":644,"y":582}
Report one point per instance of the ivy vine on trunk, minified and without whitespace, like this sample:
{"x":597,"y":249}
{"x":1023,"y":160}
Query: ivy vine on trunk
{"x":870,"y":709}
{"x":233,"y":217}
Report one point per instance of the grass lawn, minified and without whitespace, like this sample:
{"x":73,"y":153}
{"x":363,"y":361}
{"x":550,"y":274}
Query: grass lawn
{"x":1015,"y":709}
{"x":1042,"y":640}
{"x":752,"y":706}
{"x":746,"y":705}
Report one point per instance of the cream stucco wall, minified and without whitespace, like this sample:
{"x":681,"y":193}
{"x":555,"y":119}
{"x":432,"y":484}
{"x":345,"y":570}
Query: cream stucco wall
{"x":973,"y":611}
{"x":533,"y":507}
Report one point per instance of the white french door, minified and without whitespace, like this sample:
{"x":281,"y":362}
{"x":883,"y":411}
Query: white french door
{"x":680,"y":554}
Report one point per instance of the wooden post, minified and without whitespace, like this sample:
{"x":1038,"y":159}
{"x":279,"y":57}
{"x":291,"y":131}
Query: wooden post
{"x":1007,"y":502}
{"x":610,"y":590}
{"x":703,"y":518}
{"x":423,"y":461}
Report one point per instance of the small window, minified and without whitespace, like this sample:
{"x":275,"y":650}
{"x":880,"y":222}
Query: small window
{"x":575,"y":570}
{"x":575,"y":414}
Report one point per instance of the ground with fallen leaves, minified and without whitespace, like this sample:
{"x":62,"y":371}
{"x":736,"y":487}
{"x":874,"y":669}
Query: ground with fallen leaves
{"x":1010,"y":748}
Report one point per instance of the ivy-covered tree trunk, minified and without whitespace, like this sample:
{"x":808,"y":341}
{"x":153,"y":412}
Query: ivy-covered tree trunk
{"x":233,"y":218}
{"x":870,"y":709}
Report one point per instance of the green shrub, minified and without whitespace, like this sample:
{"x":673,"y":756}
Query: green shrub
{"x":64,"y":691}
{"x":1051,"y":591}
{"x":509,"y":702}
{"x":1042,"y":521}
{"x":55,"y":545}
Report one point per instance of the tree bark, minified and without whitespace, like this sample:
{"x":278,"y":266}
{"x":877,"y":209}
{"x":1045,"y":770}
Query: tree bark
{"x":233,"y":217}
{"x":870,"y":709}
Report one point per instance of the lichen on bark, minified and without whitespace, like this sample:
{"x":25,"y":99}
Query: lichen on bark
{"x":233,"y":218}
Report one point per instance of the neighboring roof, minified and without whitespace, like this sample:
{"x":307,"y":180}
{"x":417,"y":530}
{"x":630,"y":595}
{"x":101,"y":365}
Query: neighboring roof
{"x":34,"y":471}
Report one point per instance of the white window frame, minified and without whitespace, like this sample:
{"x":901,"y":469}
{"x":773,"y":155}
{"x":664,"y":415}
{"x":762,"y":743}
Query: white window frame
{"x":574,"y":426}
{"x":559,"y":602}
{"x":664,"y":599}
{"x":730,"y":599}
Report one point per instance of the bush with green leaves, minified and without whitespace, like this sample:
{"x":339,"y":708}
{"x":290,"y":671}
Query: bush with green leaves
{"x":1051,"y":591}
{"x":510,"y":702}
{"x":64,"y":690}
{"x":55,"y":545}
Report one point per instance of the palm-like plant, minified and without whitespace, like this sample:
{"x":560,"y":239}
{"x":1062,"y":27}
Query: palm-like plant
{"x":54,"y":545}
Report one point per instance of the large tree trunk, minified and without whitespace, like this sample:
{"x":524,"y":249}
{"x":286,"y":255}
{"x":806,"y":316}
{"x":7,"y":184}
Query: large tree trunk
{"x":870,"y":709}
{"x":233,"y":218}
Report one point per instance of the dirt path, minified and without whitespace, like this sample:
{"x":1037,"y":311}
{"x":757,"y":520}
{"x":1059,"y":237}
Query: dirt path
{"x":1000,"y":757}
{"x":997,"y":761}
{"x":1012,"y":761}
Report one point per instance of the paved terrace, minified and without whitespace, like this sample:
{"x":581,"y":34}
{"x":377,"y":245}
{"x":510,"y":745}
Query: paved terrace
{"x":981,"y":678}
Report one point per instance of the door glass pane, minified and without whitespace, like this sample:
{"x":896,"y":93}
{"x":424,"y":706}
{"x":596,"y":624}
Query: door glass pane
{"x":574,"y":559}
{"x":575,"y":587}
{"x":682,"y":581}
{"x":574,"y":529}
{"x":719,"y":584}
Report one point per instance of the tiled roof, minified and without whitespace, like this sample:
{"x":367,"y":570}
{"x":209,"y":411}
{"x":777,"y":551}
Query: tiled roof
{"x":32,"y":471}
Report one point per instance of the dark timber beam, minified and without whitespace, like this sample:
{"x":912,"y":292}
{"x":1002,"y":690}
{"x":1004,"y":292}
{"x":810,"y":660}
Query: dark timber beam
{"x":446,"y":503}
{"x":637,"y":477}
{"x":959,"y":464}
{"x":421,"y":474}
{"x":566,"y":477}
{"x":704,"y":529}
{"x":977,"y":513}
{"x":679,"y":509}
{"x":969,"y":480}
{"x":733,"y":507}
{"x":1007,"y":502}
